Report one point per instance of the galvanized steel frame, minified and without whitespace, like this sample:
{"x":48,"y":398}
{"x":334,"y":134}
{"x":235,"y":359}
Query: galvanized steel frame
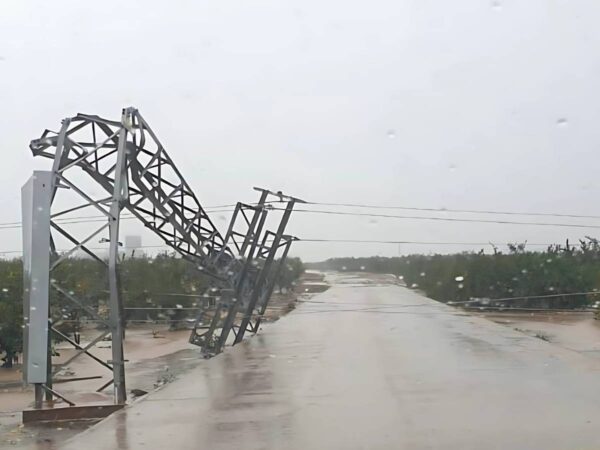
{"x":126,"y":158}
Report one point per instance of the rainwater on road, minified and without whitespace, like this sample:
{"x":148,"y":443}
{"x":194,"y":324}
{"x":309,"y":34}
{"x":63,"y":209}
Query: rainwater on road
{"x":371,"y":365}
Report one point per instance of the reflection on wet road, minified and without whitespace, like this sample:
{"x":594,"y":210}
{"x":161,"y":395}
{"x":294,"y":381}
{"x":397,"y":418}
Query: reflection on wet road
{"x":371,"y":366}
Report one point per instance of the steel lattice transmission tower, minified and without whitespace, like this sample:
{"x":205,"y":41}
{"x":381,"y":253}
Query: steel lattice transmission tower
{"x":126,"y":159}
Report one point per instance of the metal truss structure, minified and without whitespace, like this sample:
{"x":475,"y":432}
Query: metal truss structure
{"x":250,"y":290}
{"x":126,"y":159}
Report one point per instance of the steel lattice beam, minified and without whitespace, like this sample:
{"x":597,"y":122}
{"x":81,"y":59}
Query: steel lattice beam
{"x":155,"y":191}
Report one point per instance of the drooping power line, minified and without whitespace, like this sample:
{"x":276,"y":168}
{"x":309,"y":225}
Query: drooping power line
{"x":468,"y":211}
{"x":350,"y":241}
{"x":527,"y":297}
{"x":443,"y":219}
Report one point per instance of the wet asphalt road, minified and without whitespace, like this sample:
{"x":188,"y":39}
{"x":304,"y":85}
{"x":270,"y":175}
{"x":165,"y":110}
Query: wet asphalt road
{"x":370,"y":365}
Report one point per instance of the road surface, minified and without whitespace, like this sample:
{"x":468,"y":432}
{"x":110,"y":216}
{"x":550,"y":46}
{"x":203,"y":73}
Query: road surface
{"x":371,"y":365}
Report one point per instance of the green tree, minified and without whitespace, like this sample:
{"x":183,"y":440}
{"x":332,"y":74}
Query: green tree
{"x":11,"y":309}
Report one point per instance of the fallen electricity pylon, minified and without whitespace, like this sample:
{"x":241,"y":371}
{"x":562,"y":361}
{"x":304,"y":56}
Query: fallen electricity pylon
{"x":127,"y":162}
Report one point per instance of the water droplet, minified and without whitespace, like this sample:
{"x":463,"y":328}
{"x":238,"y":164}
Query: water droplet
{"x":414,"y":285}
{"x":33,"y":308}
{"x":362,"y":267}
{"x":459,"y":278}
{"x":524,"y":271}
{"x":343,"y":267}
{"x":562,"y":122}
{"x":391,"y":134}
{"x":452,"y":167}
{"x":496,"y":4}
{"x":178,"y":306}
{"x":422,"y":274}
{"x":4,"y":290}
{"x":460,"y":285}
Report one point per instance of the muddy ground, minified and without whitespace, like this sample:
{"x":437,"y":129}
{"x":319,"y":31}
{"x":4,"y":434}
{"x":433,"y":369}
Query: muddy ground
{"x":577,"y":331}
{"x":156,"y":357}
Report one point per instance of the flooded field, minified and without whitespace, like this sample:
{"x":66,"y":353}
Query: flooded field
{"x":577,"y":331}
{"x":153,"y":360}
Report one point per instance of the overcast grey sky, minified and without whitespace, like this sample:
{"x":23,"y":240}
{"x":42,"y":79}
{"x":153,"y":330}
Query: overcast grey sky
{"x":456,"y":104}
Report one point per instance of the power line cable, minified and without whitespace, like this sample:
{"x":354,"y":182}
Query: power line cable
{"x":468,"y":211}
{"x":443,"y":219}
{"x":351,"y":241}
{"x":219,"y":208}
{"x":527,"y":297}
{"x":102,"y":218}
{"x":376,"y":241}
{"x":90,"y":219}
